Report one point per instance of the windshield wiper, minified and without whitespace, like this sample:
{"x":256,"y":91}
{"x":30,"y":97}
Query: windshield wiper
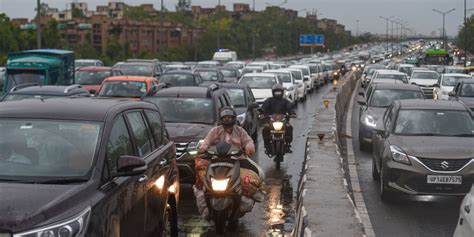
{"x":63,"y":181}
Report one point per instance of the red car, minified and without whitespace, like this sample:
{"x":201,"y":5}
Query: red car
{"x":92,"y":77}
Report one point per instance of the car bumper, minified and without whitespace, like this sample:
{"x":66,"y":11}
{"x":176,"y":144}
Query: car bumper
{"x":413,"y":179}
{"x":365,"y":133}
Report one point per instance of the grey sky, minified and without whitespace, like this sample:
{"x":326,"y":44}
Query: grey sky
{"x":417,"y":13}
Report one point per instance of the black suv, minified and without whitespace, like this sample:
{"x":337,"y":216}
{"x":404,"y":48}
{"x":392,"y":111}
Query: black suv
{"x":180,"y":78}
{"x":86,"y":167}
{"x":28,"y":91}
{"x":190,"y":113}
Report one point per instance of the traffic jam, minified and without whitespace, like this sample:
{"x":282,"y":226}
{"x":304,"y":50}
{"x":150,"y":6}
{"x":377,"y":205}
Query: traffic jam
{"x":91,"y":150}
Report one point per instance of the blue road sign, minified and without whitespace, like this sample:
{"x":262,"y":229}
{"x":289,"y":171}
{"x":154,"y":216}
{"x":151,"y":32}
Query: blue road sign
{"x":311,"y":40}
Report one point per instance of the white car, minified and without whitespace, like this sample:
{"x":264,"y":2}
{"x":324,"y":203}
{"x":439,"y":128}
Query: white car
{"x":78,"y":63}
{"x":446,"y":84}
{"x":265,"y":65}
{"x":389,"y":76}
{"x":465,"y":227}
{"x":236,"y":64}
{"x":406,"y":68}
{"x":297,"y":75}
{"x":261,"y":85}
{"x":426,"y":79}
{"x":316,"y":74}
{"x":308,"y":80}
{"x":287,"y":80}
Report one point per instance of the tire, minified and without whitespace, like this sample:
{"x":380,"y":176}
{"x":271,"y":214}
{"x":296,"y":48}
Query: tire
{"x":220,"y":221}
{"x":170,"y":222}
{"x":375,"y":172}
{"x":278,"y":160}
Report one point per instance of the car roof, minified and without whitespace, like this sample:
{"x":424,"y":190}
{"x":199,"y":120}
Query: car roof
{"x":184,"y":91}
{"x":67,"y":108}
{"x":390,"y":86}
{"x":393,"y":72}
{"x":50,"y":90}
{"x":233,"y":85}
{"x":431,"y":105}
{"x":260,"y":74}
{"x":130,"y":78}
{"x":282,"y":70}
{"x":173,"y":72}
{"x":97,"y":69}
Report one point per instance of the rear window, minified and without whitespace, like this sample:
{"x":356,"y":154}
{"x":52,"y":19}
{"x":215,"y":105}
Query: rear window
{"x":259,"y":82}
{"x":128,"y":89}
{"x":177,"y":79}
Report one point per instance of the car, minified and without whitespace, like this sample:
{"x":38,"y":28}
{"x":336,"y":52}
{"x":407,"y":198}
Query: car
{"x":35,"y":91}
{"x":177,"y":67}
{"x":245,"y":106}
{"x":86,"y":167}
{"x":2,"y":79}
{"x":90,"y":78}
{"x":263,"y":64}
{"x":389,"y":76}
{"x":158,"y":66}
{"x":236,"y":64}
{"x":288,"y":82}
{"x":231,"y":74}
{"x":133,"y":87}
{"x":308,"y":80}
{"x":446,"y":84}
{"x":143,"y":69}
{"x":316,"y":71}
{"x":79,"y":63}
{"x":464,"y":92}
{"x":252,"y":69}
{"x":368,"y":73}
{"x":297,"y":75}
{"x":405,"y":68}
{"x":373,"y":106}
{"x":189,"y":113}
{"x":453,"y":69}
{"x":424,"y":148}
{"x":426,"y":79}
{"x":210,"y":75}
{"x":465,"y":226}
{"x":208,"y":64}
{"x":180,"y":78}
{"x":261,"y":85}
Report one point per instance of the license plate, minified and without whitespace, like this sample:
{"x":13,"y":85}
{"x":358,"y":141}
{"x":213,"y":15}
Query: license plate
{"x":444,"y":179}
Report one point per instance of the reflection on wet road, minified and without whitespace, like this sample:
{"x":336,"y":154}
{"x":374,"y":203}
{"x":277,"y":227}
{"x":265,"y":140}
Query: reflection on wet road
{"x":274,"y":216}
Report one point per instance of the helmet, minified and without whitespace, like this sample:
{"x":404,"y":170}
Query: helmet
{"x":227,"y":111}
{"x":277,"y":91}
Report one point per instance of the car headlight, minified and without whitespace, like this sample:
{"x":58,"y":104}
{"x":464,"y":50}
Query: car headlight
{"x":335,"y":73}
{"x":241,"y":118}
{"x":398,"y":155}
{"x":74,"y":227}
{"x":354,"y":68}
{"x":219,"y":185}
{"x":370,"y":121}
{"x":277,"y":125}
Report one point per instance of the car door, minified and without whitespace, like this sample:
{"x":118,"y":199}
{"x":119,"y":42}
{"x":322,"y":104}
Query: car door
{"x":154,"y":192}
{"x":253,"y":112}
{"x":126,"y":205}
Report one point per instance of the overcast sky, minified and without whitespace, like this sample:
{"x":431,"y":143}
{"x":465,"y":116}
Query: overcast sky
{"x":418,"y":13}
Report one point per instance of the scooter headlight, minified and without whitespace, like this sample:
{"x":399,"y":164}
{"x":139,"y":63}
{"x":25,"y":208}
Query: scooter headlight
{"x":278,"y":125}
{"x":219,"y":185}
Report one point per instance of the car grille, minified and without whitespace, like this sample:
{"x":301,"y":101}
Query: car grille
{"x":428,"y":91}
{"x":181,"y":148}
{"x":444,"y":165}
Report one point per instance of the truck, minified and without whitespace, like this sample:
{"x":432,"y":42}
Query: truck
{"x":41,"y":66}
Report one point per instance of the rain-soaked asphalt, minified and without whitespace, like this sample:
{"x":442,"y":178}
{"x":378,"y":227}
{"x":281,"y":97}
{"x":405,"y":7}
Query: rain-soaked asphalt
{"x":274,"y":216}
{"x":410,"y":216}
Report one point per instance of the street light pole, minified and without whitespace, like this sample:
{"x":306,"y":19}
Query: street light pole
{"x":162,"y":26}
{"x":386,"y":30}
{"x":218,"y":25}
{"x":445,"y":41}
{"x":38,"y":24}
{"x":357,"y":29}
{"x":465,"y":35}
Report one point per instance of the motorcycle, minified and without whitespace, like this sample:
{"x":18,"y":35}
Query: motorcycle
{"x":222,"y":186}
{"x":278,"y":145}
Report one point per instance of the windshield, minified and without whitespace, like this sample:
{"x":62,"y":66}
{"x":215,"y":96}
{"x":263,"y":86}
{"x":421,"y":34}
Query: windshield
{"x":229,"y":73}
{"x":284,"y":77}
{"x":406,"y":70}
{"x":384,"y":98}
{"x":91,"y":77}
{"x":185,"y":110}
{"x":251,"y":70}
{"x":137,"y":70}
{"x":22,"y":77}
{"x":434,"y":123}
{"x":178,"y":79}
{"x":237,"y":97}
{"x":208,"y":75}
{"x":425,"y":75}
{"x":259,"y":82}
{"x":452,"y":80}
{"x":46,"y":148}
{"x":84,"y":64}
{"x":305,"y":71}
{"x":128,"y":89}
{"x":296,"y":75}
{"x":454,"y":70}
{"x":467,"y":90}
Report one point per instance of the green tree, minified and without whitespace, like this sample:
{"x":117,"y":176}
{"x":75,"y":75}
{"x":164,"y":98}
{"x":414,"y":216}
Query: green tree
{"x":467,"y":31}
{"x":183,"y":5}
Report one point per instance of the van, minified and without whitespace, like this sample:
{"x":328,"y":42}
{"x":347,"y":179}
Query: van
{"x":225,"y":56}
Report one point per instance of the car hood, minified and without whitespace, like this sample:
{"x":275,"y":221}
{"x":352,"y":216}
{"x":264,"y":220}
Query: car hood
{"x":469,"y":101}
{"x":26,"y":206}
{"x":423,"y":82}
{"x":188,"y":131}
{"x":262,"y":93}
{"x":436,"y":147}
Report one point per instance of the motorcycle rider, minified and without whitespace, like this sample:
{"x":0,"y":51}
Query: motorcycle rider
{"x":277,"y":105}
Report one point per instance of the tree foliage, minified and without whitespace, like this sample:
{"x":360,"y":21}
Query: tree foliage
{"x":467,"y":31}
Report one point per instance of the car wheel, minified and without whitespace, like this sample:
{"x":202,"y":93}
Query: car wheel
{"x":170,"y":222}
{"x":375,"y":172}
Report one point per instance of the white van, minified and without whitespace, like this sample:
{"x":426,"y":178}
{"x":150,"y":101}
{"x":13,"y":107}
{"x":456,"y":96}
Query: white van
{"x":225,"y":56}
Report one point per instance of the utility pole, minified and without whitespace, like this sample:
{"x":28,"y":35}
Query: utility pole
{"x":445,"y":41}
{"x":38,"y":24}
{"x":218,"y":25}
{"x":465,"y":35}
{"x":386,"y":31}
{"x":357,"y":29}
{"x":162,"y":27}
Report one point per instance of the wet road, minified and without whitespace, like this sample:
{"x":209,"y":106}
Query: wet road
{"x":410,"y":216}
{"x":275,"y":215}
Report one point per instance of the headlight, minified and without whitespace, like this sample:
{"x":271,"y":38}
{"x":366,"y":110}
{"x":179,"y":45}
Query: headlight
{"x":277,"y":125}
{"x":73,"y":227}
{"x":370,"y":121}
{"x":241,"y":118}
{"x":354,"y":68}
{"x":219,"y":185}
{"x":335,"y":73}
{"x":399,"y":156}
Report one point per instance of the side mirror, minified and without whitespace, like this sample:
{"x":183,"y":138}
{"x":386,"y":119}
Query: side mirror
{"x":157,"y":75}
{"x":361,"y":102}
{"x":452,"y":93}
{"x":253,"y":106}
{"x":93,"y":92}
{"x":361,"y":93}
{"x":130,"y":166}
{"x":305,"y":79}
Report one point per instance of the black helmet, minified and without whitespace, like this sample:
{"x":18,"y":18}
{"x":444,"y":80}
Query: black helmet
{"x":227,"y":111}
{"x":277,"y":91}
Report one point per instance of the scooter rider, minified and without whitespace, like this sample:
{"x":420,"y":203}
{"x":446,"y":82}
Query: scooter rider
{"x":277,"y":105}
